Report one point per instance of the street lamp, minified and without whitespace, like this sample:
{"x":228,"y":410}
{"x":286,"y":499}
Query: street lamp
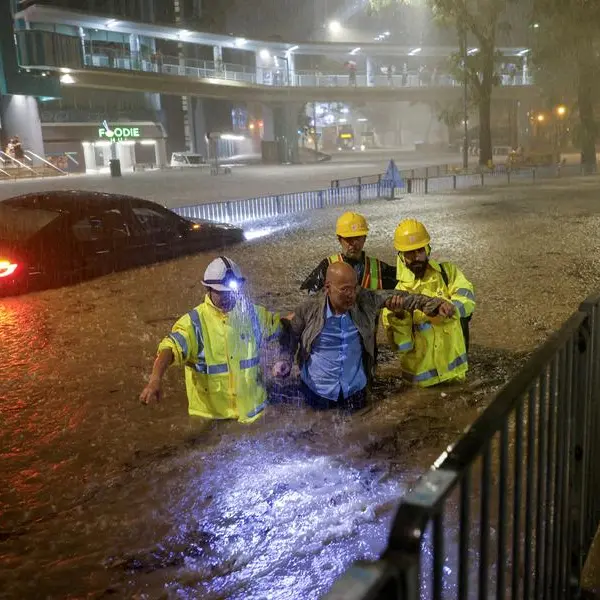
{"x":335,"y":27}
{"x":561,"y":110}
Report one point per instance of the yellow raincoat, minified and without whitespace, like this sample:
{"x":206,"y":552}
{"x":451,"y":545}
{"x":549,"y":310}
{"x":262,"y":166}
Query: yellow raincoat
{"x":220,"y":352}
{"x":432,"y":349}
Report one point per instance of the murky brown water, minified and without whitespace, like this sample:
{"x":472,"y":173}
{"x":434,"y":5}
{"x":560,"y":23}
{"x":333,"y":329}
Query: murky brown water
{"x":104,"y":497}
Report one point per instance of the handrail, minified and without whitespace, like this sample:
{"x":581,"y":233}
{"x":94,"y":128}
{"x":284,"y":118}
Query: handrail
{"x":29,"y":152}
{"x":544,"y":422}
{"x":6,"y":173}
{"x":11,"y":158}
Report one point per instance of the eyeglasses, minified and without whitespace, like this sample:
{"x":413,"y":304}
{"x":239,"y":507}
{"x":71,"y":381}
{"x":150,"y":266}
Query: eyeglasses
{"x":346,"y":289}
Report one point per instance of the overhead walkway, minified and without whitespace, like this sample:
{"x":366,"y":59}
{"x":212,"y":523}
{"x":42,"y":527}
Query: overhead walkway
{"x":267,"y":71}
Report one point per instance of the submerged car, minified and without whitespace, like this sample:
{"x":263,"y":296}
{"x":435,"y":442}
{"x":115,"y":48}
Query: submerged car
{"x":59,"y":237}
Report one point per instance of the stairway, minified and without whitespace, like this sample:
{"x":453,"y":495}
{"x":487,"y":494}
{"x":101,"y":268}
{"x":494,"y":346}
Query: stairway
{"x":11,"y":173}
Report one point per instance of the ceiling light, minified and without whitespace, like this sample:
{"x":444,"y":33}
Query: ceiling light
{"x":415,"y":51}
{"x":293,"y":48}
{"x":264,"y":54}
{"x":111,"y":23}
{"x":355,"y":51}
{"x":240,"y":42}
{"x":66,"y":78}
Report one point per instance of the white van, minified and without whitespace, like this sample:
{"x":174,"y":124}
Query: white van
{"x":187,"y":159}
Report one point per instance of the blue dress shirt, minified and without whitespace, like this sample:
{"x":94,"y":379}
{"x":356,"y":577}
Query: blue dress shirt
{"x":336,"y":359}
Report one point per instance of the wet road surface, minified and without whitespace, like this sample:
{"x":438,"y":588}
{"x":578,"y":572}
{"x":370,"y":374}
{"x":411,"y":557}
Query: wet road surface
{"x":183,"y":187}
{"x":104,"y":497}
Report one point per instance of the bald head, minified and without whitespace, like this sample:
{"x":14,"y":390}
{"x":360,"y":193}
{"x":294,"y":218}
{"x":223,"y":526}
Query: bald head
{"x":340,"y":286}
{"x":341,"y":273}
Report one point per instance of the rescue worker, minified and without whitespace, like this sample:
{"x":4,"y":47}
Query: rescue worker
{"x":333,"y":335}
{"x":432,"y":350}
{"x":218,"y":344}
{"x":372,"y":274}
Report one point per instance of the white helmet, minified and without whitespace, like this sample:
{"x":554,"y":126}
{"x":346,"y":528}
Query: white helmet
{"x":223,"y":275}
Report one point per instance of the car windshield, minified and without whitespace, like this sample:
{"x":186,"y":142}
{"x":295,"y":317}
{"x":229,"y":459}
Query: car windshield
{"x":18,"y":224}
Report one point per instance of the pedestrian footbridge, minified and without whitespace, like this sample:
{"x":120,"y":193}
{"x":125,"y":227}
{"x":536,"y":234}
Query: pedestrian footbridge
{"x":92,"y":51}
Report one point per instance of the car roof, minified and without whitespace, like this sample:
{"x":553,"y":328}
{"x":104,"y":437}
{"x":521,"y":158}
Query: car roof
{"x":75,"y":201}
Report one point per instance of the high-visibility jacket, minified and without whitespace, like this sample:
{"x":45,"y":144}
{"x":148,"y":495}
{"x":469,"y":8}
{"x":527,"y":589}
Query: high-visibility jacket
{"x":432,"y":349}
{"x":372,"y":279}
{"x":220,"y":352}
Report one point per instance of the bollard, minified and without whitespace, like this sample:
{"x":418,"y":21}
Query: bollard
{"x":359,"y":190}
{"x":409,"y":186}
{"x":454,"y":181}
{"x":426,"y":184}
{"x":379,"y":185}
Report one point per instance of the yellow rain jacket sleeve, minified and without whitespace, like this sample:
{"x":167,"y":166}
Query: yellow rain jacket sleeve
{"x":432,"y":349}
{"x":221,"y":355}
{"x":460,"y":290}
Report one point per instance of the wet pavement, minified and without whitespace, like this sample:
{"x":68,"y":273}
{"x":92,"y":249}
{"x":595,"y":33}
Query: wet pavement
{"x":184,"y":187}
{"x":103,"y":497}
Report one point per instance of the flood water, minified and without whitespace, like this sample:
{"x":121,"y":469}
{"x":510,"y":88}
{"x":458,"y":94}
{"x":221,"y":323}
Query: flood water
{"x":103,"y":497}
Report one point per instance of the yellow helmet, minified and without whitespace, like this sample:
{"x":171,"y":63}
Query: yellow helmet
{"x":410,"y":235}
{"x":351,"y":224}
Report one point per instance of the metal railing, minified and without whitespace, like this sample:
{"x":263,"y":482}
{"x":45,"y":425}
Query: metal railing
{"x":278,"y":76}
{"x":510,"y":509}
{"x":267,"y":207}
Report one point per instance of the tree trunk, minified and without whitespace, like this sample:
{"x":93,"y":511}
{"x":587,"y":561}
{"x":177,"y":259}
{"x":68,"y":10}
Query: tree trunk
{"x":485,"y":127}
{"x":586,"y":116}
{"x":485,"y":110}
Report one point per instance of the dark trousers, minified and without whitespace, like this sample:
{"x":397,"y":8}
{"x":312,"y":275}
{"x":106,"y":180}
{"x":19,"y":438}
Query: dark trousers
{"x":351,"y":404}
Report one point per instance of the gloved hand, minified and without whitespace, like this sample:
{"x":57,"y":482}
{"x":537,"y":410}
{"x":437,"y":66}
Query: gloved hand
{"x":282,"y":369}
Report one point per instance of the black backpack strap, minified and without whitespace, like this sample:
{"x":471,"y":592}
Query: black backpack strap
{"x":444,"y":274}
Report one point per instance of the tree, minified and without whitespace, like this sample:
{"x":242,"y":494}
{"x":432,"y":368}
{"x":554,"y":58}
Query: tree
{"x":482,"y":20}
{"x":566,"y":56}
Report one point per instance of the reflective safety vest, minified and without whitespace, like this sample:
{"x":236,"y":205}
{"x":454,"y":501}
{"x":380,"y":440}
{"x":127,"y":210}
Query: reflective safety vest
{"x":372,"y":274}
{"x":220,"y":352}
{"x":432,"y":348}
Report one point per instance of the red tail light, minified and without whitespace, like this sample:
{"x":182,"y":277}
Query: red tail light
{"x":7,"y":267}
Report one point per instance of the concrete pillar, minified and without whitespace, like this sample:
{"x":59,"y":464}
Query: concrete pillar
{"x":218,"y":58}
{"x":370,"y":73}
{"x":160,"y":153}
{"x":125,"y":155}
{"x":89,"y":156}
{"x":20,"y":117}
{"x":280,"y":125}
{"x":268,"y":123}
{"x":198,"y":127}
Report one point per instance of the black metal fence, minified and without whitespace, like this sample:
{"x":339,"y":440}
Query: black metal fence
{"x":441,"y":178}
{"x":509,"y":510}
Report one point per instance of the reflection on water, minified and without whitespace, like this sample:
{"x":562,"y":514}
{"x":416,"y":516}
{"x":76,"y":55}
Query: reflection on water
{"x":268,"y":520}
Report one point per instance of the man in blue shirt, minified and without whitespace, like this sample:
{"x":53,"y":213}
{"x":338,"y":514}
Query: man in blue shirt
{"x":334,"y":335}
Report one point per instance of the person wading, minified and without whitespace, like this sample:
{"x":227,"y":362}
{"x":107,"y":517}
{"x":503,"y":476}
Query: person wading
{"x":218,"y":344}
{"x":373,"y":274}
{"x":432,"y":350}
{"x":333,"y":334}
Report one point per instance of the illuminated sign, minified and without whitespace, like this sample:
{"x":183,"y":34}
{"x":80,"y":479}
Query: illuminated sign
{"x":346,"y":136}
{"x":118,"y":133}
